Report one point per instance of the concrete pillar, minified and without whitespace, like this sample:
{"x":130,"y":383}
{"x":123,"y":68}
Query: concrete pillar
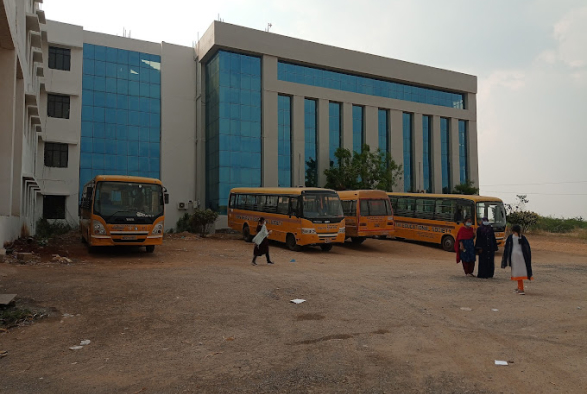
{"x":298,"y":151}
{"x":397,"y":143}
{"x":436,"y":176}
{"x":371,"y":136}
{"x":7,"y":121}
{"x":19,"y":135}
{"x":347,"y":126}
{"x":323,"y":141}
{"x":200,"y":145}
{"x":418,"y":138}
{"x":454,"y":153}
{"x":270,"y":139}
{"x":270,"y":134}
{"x":472,"y":152}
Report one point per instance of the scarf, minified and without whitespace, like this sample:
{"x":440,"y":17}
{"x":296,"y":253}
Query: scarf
{"x":463,"y":234}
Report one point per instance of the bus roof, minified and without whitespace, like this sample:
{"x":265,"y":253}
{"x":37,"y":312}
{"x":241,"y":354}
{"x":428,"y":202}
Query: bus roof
{"x":347,"y":194}
{"x":124,"y":178}
{"x":446,"y":196}
{"x":278,"y":190}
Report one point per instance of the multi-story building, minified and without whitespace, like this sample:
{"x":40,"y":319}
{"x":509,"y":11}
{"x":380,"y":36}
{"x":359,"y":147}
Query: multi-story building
{"x":22,"y":66}
{"x":242,"y":108}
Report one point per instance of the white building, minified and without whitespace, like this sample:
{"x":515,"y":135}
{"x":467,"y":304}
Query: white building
{"x":243,"y":108}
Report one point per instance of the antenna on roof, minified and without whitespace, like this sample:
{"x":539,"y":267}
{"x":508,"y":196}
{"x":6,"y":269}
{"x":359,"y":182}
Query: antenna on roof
{"x":269,"y":25}
{"x":220,"y":19}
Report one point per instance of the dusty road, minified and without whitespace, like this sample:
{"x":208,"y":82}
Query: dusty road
{"x":384,"y":317}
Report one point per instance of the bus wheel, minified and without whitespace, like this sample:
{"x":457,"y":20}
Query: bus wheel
{"x":150,"y":248}
{"x":247,"y":233}
{"x":357,"y":240}
{"x":292,"y":244}
{"x":326,"y":248}
{"x":448,"y":243}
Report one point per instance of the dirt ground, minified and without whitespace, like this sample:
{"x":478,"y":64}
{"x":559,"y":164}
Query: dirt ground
{"x":383,"y":317}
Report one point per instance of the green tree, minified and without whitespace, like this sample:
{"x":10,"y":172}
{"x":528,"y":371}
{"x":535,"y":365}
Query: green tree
{"x":467,"y":187}
{"x":364,"y":170}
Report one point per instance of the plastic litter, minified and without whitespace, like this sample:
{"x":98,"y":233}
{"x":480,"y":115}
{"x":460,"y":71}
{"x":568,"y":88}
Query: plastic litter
{"x":464,"y":308}
{"x":495,"y":310}
{"x":76,"y":347}
{"x":500,"y":362}
{"x":298,"y":301}
{"x":85,"y":342}
{"x":292,"y":261}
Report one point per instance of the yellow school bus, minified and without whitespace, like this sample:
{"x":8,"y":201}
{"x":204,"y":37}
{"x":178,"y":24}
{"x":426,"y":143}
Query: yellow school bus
{"x":297,"y":216}
{"x":368,"y":214}
{"x":123,"y":210}
{"x":437,"y":218}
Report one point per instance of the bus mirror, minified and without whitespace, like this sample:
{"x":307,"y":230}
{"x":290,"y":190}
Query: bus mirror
{"x":166,"y":197}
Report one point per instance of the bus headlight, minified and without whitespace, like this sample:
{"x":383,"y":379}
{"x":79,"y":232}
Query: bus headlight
{"x":158,"y":229}
{"x":308,"y":231}
{"x":341,"y":230}
{"x":98,"y":228}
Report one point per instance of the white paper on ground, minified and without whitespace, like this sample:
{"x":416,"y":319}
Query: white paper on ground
{"x":495,"y":310}
{"x":466,"y":309}
{"x":500,"y":362}
{"x":76,"y":347}
{"x":298,"y":301}
{"x":85,"y":342}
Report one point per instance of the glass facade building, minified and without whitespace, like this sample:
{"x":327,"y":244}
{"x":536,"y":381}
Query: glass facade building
{"x":284,"y":141}
{"x":233,"y":126}
{"x":463,"y":165}
{"x":358,"y":128}
{"x":375,"y":87}
{"x":408,"y":127}
{"x":121,"y":113}
{"x":427,"y":153}
{"x":383,"y":129}
{"x":311,"y":141}
{"x":445,"y":154}
{"x":334,"y":130}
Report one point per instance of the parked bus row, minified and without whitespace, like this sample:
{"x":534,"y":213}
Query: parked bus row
{"x":313,"y":216}
{"x":123,"y":210}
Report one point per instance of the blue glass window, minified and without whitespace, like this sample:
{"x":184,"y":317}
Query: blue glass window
{"x":445,"y":154}
{"x":233,"y":125}
{"x":463,"y":163}
{"x":375,"y":87}
{"x":427,"y":152}
{"x":311,"y":141}
{"x":408,"y":140}
{"x":284,"y":141}
{"x":383,"y":130}
{"x":334,"y":130}
{"x":110,"y":132}
{"x":358,"y":128}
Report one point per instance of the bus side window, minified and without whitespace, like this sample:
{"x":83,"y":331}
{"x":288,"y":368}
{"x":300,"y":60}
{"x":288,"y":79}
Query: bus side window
{"x":445,"y":210}
{"x":393,"y":201}
{"x":364,"y":208}
{"x":294,"y":208}
{"x":283,"y":205}
{"x":271,"y":204}
{"x":231,"y":201}
{"x":405,"y":207}
{"x":465,"y":208}
{"x":424,"y":208}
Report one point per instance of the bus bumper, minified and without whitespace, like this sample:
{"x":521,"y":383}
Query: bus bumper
{"x":107,"y":240}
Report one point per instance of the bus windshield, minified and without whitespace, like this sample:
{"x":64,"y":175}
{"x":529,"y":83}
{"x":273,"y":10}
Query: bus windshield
{"x":118,"y":200}
{"x":321,"y":205}
{"x":493,"y":211}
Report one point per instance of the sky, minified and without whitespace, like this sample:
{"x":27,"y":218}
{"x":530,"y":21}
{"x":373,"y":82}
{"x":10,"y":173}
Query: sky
{"x":530,"y":57}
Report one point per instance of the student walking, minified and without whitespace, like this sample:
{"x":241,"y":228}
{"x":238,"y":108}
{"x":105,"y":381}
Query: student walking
{"x":261,"y":241}
{"x":517,"y":254}
{"x":465,"y":247}
{"x":486,"y":245}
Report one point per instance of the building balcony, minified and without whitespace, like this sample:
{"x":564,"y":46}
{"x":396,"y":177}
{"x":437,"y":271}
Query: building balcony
{"x":36,"y":39}
{"x":32,"y":22}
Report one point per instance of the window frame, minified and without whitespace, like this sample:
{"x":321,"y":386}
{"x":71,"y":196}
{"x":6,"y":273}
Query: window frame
{"x":56,"y":154}
{"x":55,"y":53}
{"x":58,"y":106}
{"x":58,"y":213}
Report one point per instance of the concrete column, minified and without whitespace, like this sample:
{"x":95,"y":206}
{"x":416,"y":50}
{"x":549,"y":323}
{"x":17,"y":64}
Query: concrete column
{"x":323,"y":141}
{"x":7,"y":121}
{"x":472,"y":153}
{"x":397,"y":143}
{"x":454,"y":153}
{"x":418,"y":138}
{"x":200,"y":144}
{"x":270,"y":134}
{"x":19,"y":128}
{"x":436,"y":156}
{"x":347,"y":126}
{"x":371,"y":128}
{"x":298,"y":151}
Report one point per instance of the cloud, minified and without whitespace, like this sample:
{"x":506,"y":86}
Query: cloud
{"x":571,"y":34}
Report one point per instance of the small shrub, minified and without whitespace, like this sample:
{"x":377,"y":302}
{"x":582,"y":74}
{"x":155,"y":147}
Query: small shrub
{"x":559,"y":225}
{"x":49,"y":230}
{"x":526,"y":219}
{"x":201,"y":221}
{"x":183,"y":224}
